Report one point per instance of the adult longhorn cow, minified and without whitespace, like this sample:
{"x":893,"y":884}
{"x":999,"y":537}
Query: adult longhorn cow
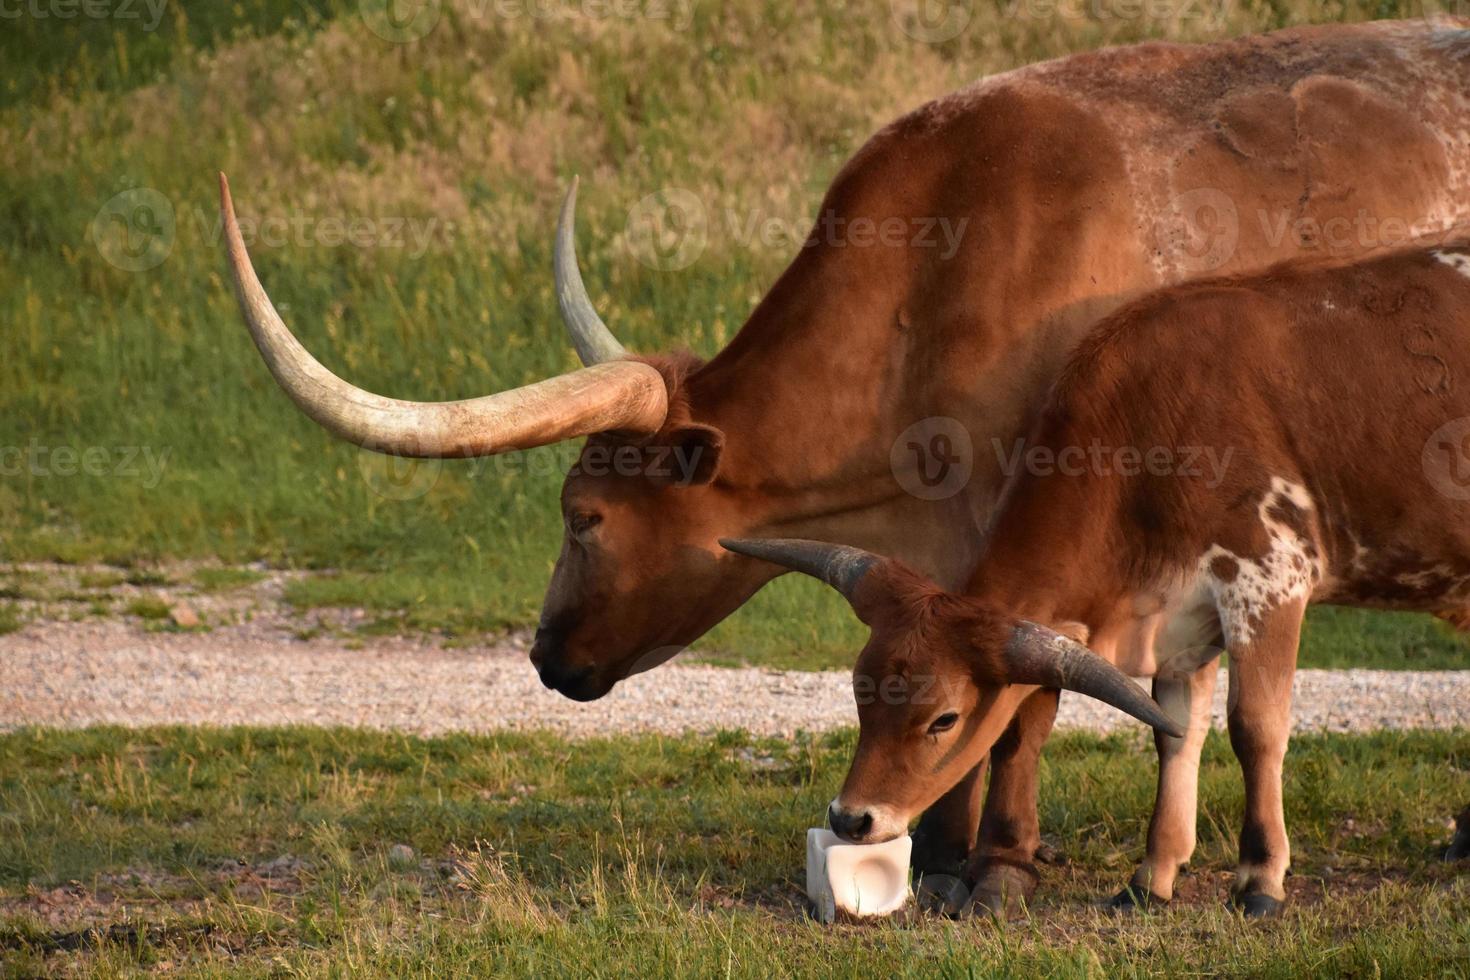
{"x":1080,"y":183}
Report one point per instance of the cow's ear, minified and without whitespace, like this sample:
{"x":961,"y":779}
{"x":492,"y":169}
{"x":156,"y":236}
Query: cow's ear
{"x":693,"y":455}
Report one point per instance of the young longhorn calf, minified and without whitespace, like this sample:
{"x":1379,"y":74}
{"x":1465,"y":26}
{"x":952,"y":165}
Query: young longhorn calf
{"x":1335,"y":406}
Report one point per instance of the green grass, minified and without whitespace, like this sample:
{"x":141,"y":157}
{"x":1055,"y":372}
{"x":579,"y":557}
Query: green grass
{"x":10,"y":619}
{"x":147,"y":607}
{"x":74,"y":54}
{"x":1385,"y":641}
{"x":147,"y":578}
{"x":224,"y":579}
{"x":255,"y":851}
{"x":470,"y":133}
{"x":101,"y":580}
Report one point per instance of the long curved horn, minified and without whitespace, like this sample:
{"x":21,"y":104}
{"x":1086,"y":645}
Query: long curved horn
{"x":595,"y":343}
{"x":838,"y":565}
{"x":1037,"y":655}
{"x":622,"y":395}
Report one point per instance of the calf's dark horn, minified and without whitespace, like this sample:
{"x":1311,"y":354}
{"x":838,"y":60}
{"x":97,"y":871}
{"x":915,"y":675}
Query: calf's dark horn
{"x":1037,"y":655}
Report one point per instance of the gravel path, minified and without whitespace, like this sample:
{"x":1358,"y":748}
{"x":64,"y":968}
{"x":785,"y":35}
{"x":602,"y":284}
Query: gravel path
{"x":109,"y":671}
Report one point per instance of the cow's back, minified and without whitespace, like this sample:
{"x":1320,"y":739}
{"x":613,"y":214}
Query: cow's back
{"x":1101,"y":177}
{"x":1070,"y":188}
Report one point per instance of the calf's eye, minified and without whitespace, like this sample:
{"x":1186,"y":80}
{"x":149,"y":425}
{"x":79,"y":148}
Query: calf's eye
{"x":944,"y":722}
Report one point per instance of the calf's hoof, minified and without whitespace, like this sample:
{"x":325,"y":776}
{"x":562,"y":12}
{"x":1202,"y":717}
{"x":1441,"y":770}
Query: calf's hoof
{"x":1135,"y":899}
{"x":942,"y":895}
{"x":1257,"y":905}
{"x":1003,"y":889}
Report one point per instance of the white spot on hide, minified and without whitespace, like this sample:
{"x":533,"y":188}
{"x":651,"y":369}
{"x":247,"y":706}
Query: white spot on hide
{"x":1286,"y":572}
{"x":1458,"y":261}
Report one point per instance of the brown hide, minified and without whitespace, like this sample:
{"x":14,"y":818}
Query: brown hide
{"x":1079,"y":184}
{"x":1348,"y":382}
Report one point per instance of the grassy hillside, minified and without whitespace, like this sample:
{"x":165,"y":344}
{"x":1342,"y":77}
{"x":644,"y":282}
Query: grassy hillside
{"x":307,"y":852}
{"x":404,"y":175}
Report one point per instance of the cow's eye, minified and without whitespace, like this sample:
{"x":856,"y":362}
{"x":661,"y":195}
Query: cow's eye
{"x":582,"y":522}
{"x":944,"y":722}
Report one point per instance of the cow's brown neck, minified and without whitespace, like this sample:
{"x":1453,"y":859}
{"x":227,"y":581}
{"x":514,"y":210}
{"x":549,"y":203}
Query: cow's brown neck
{"x":803,"y":395}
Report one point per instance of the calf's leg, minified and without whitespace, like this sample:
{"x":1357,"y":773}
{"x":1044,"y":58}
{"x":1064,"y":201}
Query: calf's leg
{"x":946,"y":832}
{"x":1259,"y":712}
{"x":1002,"y":866}
{"x":1171,"y":830}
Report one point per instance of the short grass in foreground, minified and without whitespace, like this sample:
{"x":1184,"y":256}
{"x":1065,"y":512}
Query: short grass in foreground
{"x":260,"y":850}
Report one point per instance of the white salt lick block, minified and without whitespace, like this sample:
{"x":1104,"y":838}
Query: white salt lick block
{"x":859,"y":879}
